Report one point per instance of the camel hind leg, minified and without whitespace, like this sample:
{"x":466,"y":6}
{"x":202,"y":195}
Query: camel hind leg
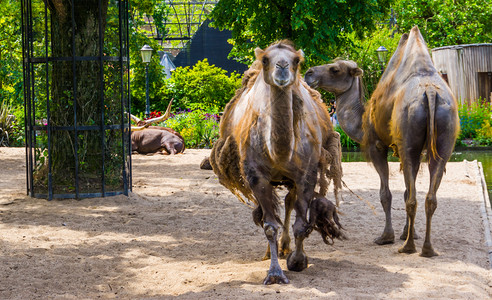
{"x":411,"y":163}
{"x":410,"y":153}
{"x":436,"y":169}
{"x":290,"y":200}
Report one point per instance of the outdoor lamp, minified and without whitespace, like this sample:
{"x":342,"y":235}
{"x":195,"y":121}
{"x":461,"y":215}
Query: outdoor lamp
{"x":146,"y":55}
{"x":382,"y":52}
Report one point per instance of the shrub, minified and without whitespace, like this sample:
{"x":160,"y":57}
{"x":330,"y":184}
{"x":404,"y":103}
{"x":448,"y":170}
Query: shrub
{"x":6,"y":124}
{"x":199,"y":128}
{"x":473,"y":118}
{"x":202,"y":85}
{"x":484,"y":134}
{"x":345,"y":140}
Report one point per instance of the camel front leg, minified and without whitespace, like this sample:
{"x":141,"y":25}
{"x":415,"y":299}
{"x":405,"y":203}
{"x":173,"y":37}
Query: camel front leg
{"x":275,"y":273}
{"x":285,"y":238}
{"x":380,"y":162}
{"x":264,"y":193}
{"x":297,"y":260}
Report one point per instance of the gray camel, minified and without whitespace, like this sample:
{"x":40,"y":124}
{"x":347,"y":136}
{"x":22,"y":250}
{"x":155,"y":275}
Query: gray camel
{"x":411,"y":110}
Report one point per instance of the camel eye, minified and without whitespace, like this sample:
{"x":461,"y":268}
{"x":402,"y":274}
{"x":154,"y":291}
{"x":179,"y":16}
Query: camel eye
{"x":334,"y":70}
{"x":296,"y":61}
{"x":264,"y":60}
{"x":309,"y":73}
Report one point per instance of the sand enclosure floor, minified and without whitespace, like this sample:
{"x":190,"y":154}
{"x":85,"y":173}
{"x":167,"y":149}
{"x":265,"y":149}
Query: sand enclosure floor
{"x":181,"y":234}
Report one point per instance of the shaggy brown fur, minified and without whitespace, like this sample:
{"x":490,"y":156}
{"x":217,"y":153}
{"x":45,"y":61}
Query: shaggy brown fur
{"x":276,"y":131}
{"x":411,"y":110}
{"x":324,"y":219}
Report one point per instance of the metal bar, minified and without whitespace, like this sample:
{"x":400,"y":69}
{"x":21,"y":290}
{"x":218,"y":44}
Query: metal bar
{"x":129,"y":103}
{"x":101,"y":99}
{"x":147,"y":105}
{"x":179,"y":23}
{"x":77,"y":58}
{"x":122,"y":98}
{"x":192,"y":2}
{"x":48,"y":114}
{"x":80,"y":195}
{"x":31,"y":93}
{"x":81,"y":127}
{"x":74,"y":90}
{"x":23,"y":30}
{"x":178,"y":39}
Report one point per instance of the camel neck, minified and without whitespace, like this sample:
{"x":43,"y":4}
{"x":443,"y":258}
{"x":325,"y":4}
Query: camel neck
{"x":281,"y":135}
{"x":350,"y":110}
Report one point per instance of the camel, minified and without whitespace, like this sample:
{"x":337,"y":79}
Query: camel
{"x":277,"y":131}
{"x":411,"y":110}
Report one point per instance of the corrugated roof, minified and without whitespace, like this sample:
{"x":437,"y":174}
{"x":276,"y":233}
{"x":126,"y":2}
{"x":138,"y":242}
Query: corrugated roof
{"x":456,"y":47}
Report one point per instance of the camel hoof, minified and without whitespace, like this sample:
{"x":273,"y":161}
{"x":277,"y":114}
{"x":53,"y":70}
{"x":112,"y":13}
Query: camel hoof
{"x":385,"y":239}
{"x":407,"y":249}
{"x":297,"y":262}
{"x":278,"y":278}
{"x":428,"y":252}
{"x":404,"y":235}
{"x":284,"y":252}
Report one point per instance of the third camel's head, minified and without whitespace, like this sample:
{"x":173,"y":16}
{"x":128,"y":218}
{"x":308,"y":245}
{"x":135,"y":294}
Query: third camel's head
{"x":280,"y":63}
{"x":336,"y":77}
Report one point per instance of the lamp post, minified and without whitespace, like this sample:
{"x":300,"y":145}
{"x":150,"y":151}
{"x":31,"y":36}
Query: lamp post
{"x":382,"y":52}
{"x":146,"y":52}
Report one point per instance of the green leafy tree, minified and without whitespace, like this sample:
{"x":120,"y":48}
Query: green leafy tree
{"x":139,"y":36}
{"x":315,"y":26}
{"x":11,"y":79}
{"x":200,"y":86}
{"x":363,"y":52}
{"x":447,"y":22}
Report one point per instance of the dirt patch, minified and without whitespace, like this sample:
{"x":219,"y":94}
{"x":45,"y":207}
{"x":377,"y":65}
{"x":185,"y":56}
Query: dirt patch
{"x":181,"y":234}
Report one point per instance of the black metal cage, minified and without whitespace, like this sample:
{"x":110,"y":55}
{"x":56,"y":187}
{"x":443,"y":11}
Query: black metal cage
{"x":76,"y":97}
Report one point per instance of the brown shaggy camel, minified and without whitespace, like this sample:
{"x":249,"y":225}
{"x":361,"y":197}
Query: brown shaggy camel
{"x":411,"y":110}
{"x":277,"y":131}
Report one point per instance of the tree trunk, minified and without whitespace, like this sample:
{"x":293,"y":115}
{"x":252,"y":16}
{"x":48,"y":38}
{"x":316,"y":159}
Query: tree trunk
{"x":76,"y":151}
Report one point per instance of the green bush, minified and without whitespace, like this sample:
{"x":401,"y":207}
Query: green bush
{"x":6,"y":124}
{"x":484,"y":134}
{"x":200,"y":86}
{"x":199,"y":128}
{"x":473,"y":118}
{"x":347,"y":143}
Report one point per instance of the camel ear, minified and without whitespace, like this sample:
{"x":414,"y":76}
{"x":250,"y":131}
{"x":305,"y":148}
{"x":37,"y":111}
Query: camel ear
{"x":301,"y":55}
{"x":356,"y":72}
{"x":259,"y":53}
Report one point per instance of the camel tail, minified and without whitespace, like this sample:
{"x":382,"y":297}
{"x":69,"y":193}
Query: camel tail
{"x":432,"y":95}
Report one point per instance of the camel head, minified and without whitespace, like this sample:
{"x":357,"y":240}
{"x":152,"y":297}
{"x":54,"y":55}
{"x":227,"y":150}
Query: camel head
{"x":336,"y":77}
{"x":280,"y":63}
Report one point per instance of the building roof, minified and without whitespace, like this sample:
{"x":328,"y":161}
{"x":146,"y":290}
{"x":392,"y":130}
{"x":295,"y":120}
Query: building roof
{"x":456,"y":47}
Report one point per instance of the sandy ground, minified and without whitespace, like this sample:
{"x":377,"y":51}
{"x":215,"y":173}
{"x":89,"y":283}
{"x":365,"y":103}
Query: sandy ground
{"x":181,"y":234}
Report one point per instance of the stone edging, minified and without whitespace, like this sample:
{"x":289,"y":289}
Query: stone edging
{"x":485,"y":210}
